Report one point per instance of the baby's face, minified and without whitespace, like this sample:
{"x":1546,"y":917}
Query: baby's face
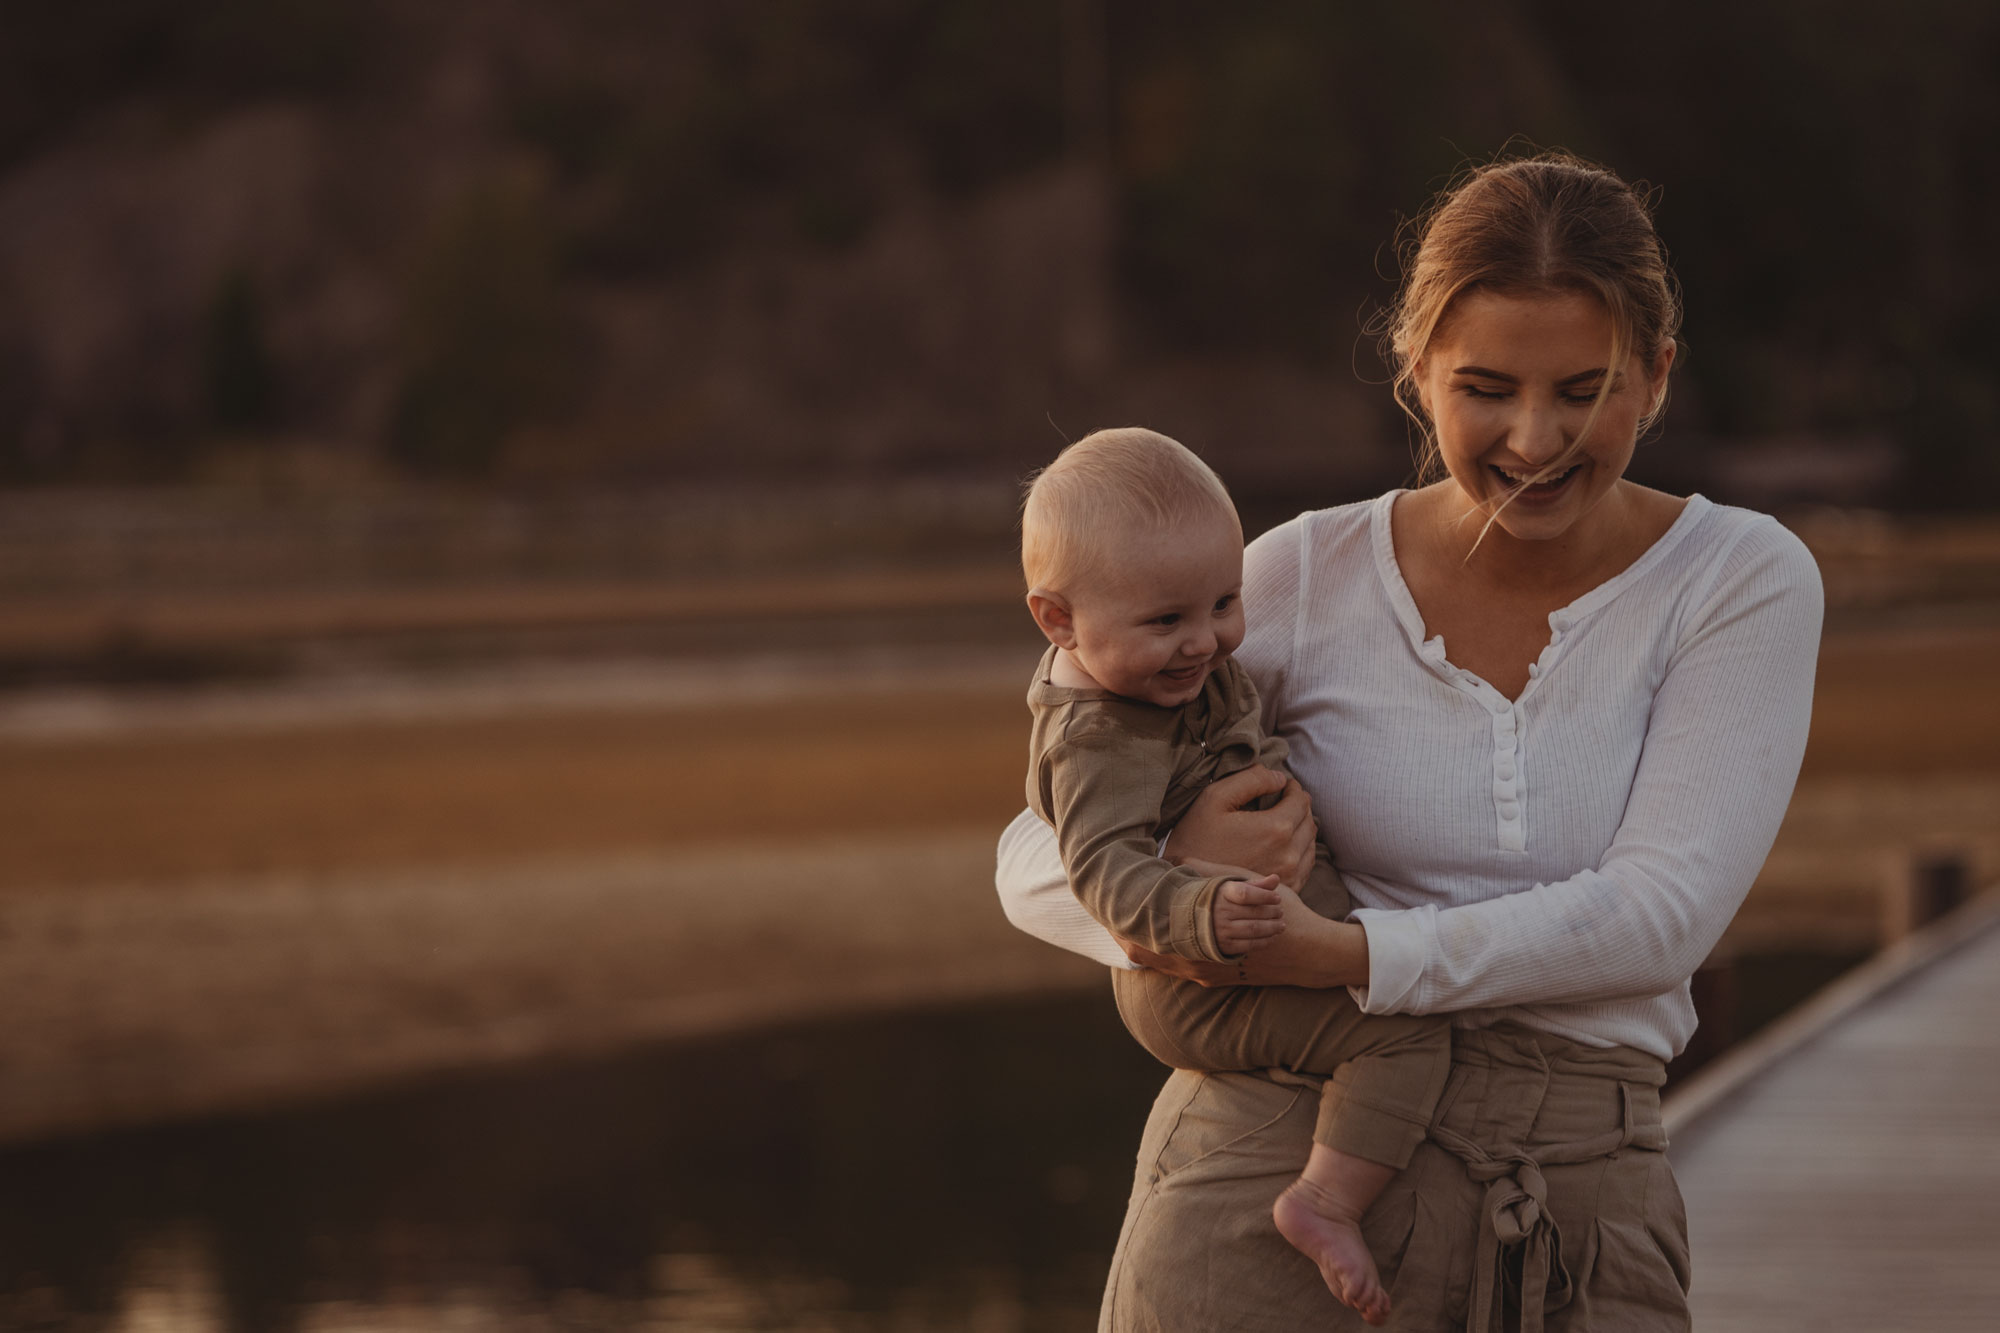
{"x":1166,"y":610}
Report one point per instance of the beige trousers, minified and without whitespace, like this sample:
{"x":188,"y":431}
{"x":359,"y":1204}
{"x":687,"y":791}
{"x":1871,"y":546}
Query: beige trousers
{"x":1541,"y":1200}
{"x":1384,"y":1071}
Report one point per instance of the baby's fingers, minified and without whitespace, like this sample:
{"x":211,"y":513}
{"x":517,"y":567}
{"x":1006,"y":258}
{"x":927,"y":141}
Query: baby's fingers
{"x":1252,"y":892}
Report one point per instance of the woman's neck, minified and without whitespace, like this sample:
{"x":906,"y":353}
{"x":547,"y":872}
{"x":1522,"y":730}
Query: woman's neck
{"x":1603,"y":542}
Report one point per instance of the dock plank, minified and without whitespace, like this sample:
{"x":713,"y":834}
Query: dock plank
{"x":1855,"y":1183}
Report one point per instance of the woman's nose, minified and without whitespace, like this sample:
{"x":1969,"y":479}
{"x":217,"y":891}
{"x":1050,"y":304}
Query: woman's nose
{"x":1538,"y":438}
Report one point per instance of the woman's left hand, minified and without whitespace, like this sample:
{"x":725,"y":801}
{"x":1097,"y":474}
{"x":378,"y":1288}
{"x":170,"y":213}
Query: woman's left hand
{"x":1312,"y":951}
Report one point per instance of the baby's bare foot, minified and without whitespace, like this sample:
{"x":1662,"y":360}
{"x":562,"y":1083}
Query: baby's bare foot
{"x":1322,"y":1230}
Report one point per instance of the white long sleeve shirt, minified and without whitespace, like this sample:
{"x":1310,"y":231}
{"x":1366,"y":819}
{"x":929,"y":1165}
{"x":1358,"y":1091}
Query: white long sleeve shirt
{"x":1565,"y":859}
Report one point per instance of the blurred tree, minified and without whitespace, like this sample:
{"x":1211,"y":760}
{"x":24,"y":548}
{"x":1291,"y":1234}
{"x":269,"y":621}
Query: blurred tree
{"x":60,"y":63}
{"x":484,"y":351}
{"x":795,"y":121}
{"x":1827,"y":192}
{"x":239,"y":378}
{"x":1266,"y":153}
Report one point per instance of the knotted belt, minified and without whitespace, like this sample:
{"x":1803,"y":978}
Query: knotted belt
{"x":1515,"y":1220}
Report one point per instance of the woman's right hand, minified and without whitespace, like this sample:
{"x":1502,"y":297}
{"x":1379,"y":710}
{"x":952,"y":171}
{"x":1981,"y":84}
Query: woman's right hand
{"x":1311,"y":951}
{"x":1220,"y":826}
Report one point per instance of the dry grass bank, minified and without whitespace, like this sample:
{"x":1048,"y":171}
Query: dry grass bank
{"x":196,"y":913}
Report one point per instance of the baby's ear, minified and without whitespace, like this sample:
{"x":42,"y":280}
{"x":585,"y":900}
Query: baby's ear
{"x":1052,"y":614}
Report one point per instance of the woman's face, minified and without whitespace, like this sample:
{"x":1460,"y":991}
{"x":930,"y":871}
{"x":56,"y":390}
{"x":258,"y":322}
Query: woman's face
{"x":1509,"y":381}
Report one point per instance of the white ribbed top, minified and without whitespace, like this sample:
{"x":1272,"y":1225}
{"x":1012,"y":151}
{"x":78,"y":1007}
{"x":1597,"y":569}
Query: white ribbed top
{"x":1567,"y":858}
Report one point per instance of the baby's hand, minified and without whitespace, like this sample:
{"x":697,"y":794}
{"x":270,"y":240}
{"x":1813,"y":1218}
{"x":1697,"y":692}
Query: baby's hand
{"x":1248,"y":914}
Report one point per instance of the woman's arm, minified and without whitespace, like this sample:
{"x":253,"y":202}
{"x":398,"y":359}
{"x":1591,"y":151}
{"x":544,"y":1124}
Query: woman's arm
{"x":1035,"y":894}
{"x":1722,"y":752}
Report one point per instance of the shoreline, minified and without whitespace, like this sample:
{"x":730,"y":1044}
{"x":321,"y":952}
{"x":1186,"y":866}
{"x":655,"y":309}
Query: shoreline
{"x":133,"y":1006}
{"x":252,"y":895}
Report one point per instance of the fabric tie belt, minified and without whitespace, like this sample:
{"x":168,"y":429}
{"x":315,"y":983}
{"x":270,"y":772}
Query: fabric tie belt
{"x":1514,"y":1220}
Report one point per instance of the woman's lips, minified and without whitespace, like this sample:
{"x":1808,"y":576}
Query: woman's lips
{"x":1537,"y":490}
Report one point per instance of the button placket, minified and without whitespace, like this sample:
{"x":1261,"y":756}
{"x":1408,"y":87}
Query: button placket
{"x":1508,"y":800}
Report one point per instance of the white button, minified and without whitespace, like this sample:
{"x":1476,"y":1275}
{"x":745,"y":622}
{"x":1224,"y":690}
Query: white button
{"x":1534,"y":670}
{"x":1505,"y":745}
{"x":1508,"y":809}
{"x":1504,"y":766}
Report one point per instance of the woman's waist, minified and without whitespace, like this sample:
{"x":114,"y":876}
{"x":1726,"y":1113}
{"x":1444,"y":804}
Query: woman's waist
{"x":1656,"y":1026}
{"x":1519,"y":1088}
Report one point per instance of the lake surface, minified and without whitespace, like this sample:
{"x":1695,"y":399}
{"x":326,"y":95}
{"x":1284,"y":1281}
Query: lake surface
{"x":960,"y":1170}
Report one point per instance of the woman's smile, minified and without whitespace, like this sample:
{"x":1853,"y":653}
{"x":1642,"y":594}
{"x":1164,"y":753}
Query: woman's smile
{"x":1532,"y":421}
{"x":1523,"y":481}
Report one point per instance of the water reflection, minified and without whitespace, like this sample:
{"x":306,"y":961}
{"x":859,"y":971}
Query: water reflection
{"x":959,"y":1170}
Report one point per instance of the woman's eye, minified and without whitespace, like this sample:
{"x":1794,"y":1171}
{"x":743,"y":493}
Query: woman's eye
{"x":1581,"y":398}
{"x":1487,"y":395}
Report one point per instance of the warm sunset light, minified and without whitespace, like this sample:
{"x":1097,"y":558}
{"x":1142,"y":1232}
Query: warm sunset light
{"x":517,"y":669}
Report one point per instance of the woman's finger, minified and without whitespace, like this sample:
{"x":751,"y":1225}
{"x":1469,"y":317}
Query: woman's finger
{"x":1247,"y":785}
{"x":1138,"y":953}
{"x":1202,"y":974}
{"x":1221,"y":870}
{"x":1216,"y":828}
{"x":1295,"y":804}
{"x":1304,"y":847}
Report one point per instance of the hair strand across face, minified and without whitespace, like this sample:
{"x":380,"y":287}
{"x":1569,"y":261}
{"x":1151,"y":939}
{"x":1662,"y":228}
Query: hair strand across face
{"x":1546,"y":224}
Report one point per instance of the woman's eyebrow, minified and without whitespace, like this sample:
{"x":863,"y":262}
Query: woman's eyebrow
{"x":1483,"y":373}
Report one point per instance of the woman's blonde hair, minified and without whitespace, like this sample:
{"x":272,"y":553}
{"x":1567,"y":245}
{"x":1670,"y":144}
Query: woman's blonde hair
{"x":1108,"y":484}
{"x":1524,"y":226}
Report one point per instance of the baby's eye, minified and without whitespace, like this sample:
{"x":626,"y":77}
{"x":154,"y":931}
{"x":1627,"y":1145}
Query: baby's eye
{"x":1224,"y":603}
{"x":1168,"y":620}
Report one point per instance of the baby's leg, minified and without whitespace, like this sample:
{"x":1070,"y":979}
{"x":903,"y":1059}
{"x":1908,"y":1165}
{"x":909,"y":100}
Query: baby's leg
{"x":1384,"y":1075}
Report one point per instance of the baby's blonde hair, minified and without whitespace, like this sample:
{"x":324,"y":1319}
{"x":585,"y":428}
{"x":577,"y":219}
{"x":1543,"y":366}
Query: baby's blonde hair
{"x":1105,"y":486}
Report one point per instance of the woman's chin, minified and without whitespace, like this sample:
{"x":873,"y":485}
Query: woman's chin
{"x":1531,"y":515}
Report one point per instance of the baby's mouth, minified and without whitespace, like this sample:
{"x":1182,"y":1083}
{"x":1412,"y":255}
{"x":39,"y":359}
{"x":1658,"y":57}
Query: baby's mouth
{"x":1183,"y":675}
{"x":1523,"y":482}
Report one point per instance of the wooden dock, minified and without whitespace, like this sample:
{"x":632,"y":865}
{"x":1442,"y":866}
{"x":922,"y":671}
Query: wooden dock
{"x":1842,"y":1170}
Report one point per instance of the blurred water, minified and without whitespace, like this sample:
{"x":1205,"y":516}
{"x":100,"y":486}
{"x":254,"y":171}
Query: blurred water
{"x":960,"y":1170}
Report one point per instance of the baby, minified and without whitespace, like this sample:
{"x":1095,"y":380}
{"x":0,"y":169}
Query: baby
{"x":1134,"y":561}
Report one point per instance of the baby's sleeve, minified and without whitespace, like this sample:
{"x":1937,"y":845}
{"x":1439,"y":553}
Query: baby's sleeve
{"x":1105,"y":795}
{"x":1034,"y":893}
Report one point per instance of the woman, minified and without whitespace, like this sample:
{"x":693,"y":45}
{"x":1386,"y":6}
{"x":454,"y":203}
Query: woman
{"x":1550,"y":721}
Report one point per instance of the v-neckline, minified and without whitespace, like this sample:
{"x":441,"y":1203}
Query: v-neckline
{"x":1433,"y":649}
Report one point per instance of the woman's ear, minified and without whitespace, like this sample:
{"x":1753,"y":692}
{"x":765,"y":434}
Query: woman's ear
{"x":1417,"y":389}
{"x":1663,"y":362}
{"x":1052,"y":613}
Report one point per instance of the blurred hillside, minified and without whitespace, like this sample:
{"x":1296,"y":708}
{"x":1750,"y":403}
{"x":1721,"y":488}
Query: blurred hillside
{"x":330,"y":245}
